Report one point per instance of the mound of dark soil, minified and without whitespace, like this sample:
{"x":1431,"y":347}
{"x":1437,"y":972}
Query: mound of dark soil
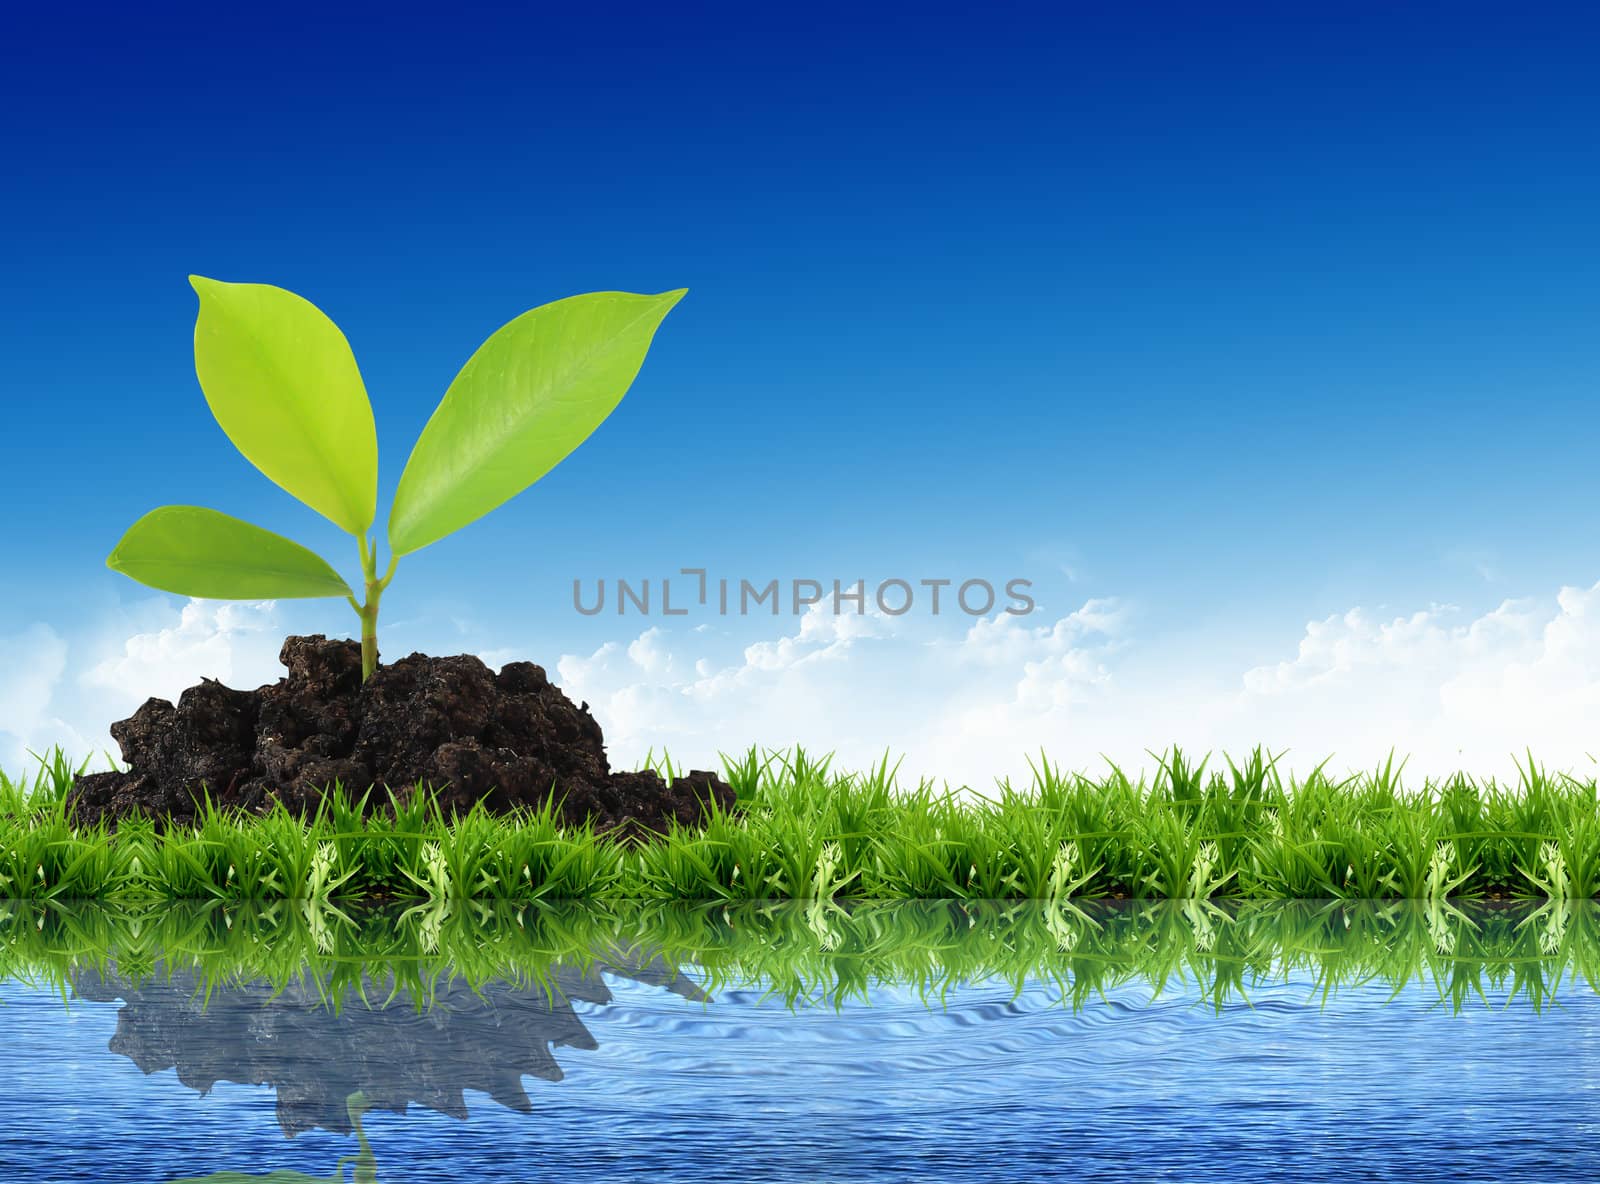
{"x":451,"y":724}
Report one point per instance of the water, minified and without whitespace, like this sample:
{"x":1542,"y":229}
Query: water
{"x":629,"y":1070}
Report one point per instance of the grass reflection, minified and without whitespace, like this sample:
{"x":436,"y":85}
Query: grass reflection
{"x":822,"y":952}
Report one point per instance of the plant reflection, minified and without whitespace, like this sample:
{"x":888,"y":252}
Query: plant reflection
{"x":365,"y":1170}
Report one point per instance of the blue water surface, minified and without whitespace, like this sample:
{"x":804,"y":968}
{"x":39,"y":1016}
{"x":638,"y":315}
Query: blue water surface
{"x":994,"y":1085}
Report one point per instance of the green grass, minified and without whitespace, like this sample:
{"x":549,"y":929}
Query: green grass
{"x":824,"y":952}
{"x":803,"y":831}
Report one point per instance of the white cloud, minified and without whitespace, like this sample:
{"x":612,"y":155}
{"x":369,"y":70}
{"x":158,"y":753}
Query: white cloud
{"x":1447,"y":689}
{"x":33,"y":662}
{"x":647,"y":653}
{"x":647,"y":695}
{"x":496,"y":658}
{"x":235,"y":643}
{"x":1005,"y":639}
{"x":856,"y":685}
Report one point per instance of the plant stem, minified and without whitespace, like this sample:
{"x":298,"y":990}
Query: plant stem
{"x":368,"y":611}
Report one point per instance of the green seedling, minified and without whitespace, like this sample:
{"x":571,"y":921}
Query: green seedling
{"x":283,"y":384}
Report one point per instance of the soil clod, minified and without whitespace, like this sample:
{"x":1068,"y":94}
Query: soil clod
{"x":507,"y":740}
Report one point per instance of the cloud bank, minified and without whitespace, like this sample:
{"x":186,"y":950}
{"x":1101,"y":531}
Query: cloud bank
{"x":961,"y":704}
{"x":1443,"y":688}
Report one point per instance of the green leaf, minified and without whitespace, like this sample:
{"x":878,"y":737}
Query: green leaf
{"x":282,"y":382}
{"x":530,"y":394}
{"x":198,"y":552}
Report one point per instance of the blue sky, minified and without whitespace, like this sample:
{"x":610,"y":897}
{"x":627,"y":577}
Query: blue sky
{"x":1232,"y":319}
